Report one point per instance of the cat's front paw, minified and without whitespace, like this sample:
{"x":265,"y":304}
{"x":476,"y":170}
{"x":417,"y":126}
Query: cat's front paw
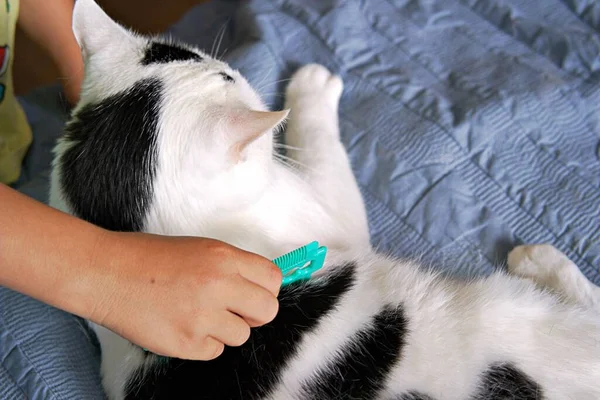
{"x":314,"y":86}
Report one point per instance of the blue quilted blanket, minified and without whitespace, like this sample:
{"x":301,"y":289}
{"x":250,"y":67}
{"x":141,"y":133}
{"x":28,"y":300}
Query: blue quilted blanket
{"x":472,"y":125}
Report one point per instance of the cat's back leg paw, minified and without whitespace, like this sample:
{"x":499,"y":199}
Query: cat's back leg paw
{"x":540,"y":263}
{"x":549,"y":268}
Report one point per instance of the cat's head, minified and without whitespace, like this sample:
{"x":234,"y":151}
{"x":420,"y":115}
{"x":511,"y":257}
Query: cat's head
{"x":158,"y":120}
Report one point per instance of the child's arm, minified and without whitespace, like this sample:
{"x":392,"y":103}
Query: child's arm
{"x":180,"y":297}
{"x":48,"y":23}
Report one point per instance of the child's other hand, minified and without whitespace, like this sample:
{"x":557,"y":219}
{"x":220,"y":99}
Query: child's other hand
{"x":48,"y":23}
{"x":182,"y":297}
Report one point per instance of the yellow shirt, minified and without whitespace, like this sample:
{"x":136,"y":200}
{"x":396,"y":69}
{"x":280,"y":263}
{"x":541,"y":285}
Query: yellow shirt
{"x":15,"y":133}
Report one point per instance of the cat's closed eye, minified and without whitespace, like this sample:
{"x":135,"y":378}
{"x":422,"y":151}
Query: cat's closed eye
{"x":226,"y":77}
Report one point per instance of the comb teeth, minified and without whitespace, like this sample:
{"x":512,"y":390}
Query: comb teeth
{"x":296,"y":258}
{"x":299,"y":264}
{"x":289,"y":260}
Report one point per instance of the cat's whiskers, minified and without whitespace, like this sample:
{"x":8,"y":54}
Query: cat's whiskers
{"x":285,"y":160}
{"x":272,"y":83}
{"x":264,"y":78}
{"x":288,"y":147}
{"x":212,"y":48}
{"x":275,"y":94}
{"x":220,"y":57}
{"x":219,"y":39}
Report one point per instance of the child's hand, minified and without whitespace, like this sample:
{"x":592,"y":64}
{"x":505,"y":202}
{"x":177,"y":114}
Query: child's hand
{"x":178,"y":297}
{"x":182,"y":297}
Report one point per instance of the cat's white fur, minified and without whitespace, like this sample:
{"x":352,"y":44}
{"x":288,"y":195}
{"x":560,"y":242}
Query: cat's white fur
{"x":550,"y":330}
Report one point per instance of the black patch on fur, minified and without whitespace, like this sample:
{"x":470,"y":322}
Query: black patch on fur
{"x":162,"y":53}
{"x":414,"y":396}
{"x":364,"y":364}
{"x":507,"y":382}
{"x":107,"y":173}
{"x":252,"y":370}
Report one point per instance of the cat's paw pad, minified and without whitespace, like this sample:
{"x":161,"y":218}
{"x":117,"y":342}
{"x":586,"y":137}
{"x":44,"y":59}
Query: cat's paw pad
{"x":541,"y":263}
{"x":316,"y":83}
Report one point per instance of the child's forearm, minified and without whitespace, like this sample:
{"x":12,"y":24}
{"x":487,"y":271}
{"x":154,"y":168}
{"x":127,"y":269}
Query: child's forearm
{"x":47,"y":254}
{"x":177,"y":296}
{"x":49,"y":24}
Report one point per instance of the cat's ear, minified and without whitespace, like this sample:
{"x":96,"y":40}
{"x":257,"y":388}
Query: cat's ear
{"x":94,"y":29}
{"x":248,"y":125}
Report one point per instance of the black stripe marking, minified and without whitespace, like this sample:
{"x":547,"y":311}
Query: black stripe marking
{"x":507,"y":382}
{"x":361,"y":370}
{"x":107,"y":174}
{"x":162,"y":53}
{"x":251,"y":371}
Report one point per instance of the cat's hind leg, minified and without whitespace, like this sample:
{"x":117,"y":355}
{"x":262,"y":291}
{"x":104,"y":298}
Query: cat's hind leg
{"x":313,"y":137}
{"x":564,"y":349}
{"x":551,"y":269}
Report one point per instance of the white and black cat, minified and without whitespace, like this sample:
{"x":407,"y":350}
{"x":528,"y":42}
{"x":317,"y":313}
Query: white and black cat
{"x":168,"y":140}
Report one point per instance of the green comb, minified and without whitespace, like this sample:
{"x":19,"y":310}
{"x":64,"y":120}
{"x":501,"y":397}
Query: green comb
{"x":301,"y":263}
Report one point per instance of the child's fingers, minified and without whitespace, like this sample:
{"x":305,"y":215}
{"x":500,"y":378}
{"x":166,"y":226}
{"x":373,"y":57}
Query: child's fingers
{"x":252,"y":302}
{"x":230,"y":329}
{"x":209,"y":349}
{"x":262,"y":272}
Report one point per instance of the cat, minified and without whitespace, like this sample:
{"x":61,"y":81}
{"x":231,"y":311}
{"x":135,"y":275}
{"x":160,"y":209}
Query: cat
{"x":168,"y":140}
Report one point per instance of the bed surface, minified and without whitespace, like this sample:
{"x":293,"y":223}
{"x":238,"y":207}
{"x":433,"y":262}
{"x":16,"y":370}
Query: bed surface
{"x":472,"y":127}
